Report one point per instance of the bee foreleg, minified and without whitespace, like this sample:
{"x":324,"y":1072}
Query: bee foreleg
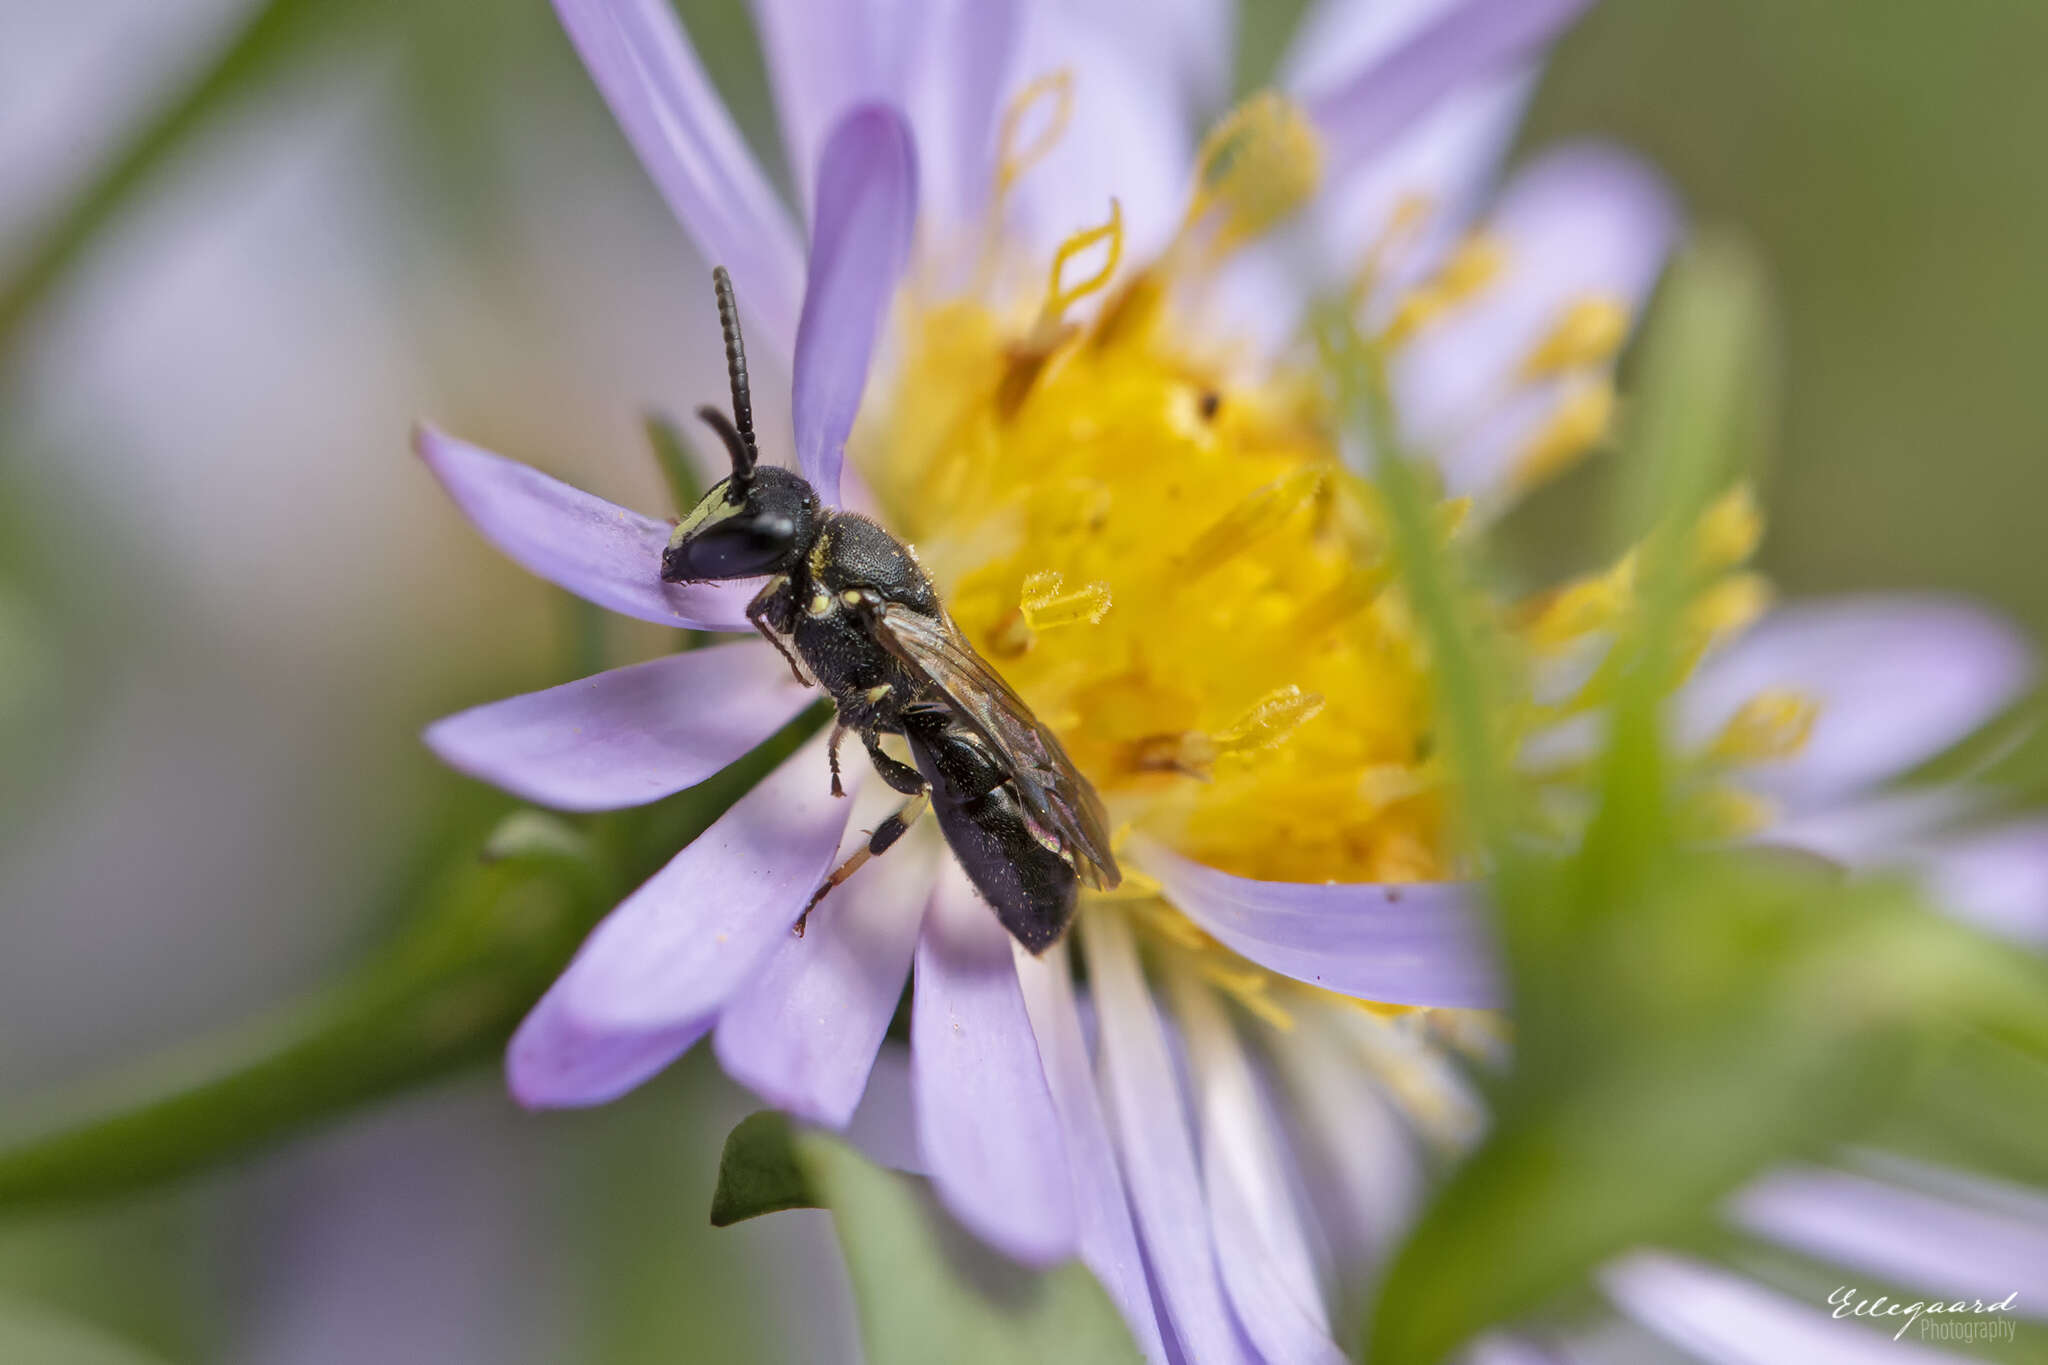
{"x":880,"y":840}
{"x":769,"y":612}
{"x":795,"y":669}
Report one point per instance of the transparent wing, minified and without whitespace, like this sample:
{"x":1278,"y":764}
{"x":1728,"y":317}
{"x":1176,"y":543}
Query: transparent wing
{"x":1057,"y":795}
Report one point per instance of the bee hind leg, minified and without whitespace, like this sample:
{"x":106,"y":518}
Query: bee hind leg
{"x":880,"y":840}
{"x":900,"y":776}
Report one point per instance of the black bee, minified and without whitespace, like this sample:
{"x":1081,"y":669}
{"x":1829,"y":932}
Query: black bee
{"x":851,"y":610}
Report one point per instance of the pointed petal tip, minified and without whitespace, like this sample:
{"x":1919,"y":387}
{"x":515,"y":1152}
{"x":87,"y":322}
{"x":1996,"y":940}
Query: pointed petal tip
{"x":879,"y":119}
{"x":606,"y":554}
{"x":439,"y":451}
{"x":627,"y":736}
{"x":1899,"y":678}
{"x":1602,"y":172}
{"x":558,"y":1059}
{"x":424,"y":437}
{"x":1462,"y":43}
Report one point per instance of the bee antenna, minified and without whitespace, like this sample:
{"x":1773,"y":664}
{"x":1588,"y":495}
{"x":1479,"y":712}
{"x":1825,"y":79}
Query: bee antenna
{"x":738,"y":434}
{"x":736,"y":447}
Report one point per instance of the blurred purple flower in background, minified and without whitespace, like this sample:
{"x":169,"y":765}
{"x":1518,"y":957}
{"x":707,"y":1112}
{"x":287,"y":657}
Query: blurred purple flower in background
{"x":1223,"y":1165}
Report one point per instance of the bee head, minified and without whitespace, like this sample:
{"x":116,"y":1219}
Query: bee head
{"x":745,"y":526}
{"x":761,"y":519}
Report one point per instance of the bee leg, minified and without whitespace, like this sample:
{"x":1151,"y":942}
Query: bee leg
{"x":901,"y":776}
{"x":880,"y":839}
{"x":795,"y":670}
{"x":832,"y":756}
{"x":771,"y":612}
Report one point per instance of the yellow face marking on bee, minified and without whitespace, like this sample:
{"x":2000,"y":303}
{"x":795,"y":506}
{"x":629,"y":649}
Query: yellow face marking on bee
{"x":710,"y":509}
{"x":875,"y":694}
{"x":820,"y":604}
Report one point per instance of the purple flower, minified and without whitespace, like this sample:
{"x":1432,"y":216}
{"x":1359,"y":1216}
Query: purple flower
{"x":1138,"y":516}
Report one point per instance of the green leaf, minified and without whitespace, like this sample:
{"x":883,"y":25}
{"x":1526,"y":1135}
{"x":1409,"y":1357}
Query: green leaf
{"x":1749,"y":1011}
{"x":1674,"y":1102}
{"x":1982,"y":1105}
{"x":758,"y":1172}
{"x":927,"y":1291}
{"x":1695,"y":418}
{"x":1683,"y":1020}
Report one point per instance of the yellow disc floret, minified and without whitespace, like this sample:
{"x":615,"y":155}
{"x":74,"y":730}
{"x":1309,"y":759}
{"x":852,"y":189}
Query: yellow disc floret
{"x":1167,"y":558}
{"x":1179,"y":576}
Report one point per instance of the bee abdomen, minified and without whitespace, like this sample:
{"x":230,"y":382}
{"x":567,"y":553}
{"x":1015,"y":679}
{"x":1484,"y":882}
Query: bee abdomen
{"x":1015,"y":865}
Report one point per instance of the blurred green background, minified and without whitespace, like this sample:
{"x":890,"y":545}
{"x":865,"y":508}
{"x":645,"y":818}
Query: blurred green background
{"x":229,"y":598}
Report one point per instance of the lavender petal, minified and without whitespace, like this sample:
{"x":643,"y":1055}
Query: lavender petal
{"x":602,"y":553}
{"x":1409,"y":944}
{"x":1897,"y":679}
{"x":804,"y":1033}
{"x":1261,"y":1250}
{"x":1470,"y":40}
{"x":945,"y":63}
{"x":1923,"y":1242}
{"x":1875,"y":829}
{"x":967,"y":54}
{"x":557,"y":1060}
{"x":884,"y":1124}
{"x":1150,"y":1123}
{"x":1443,"y":163}
{"x":629,"y":736}
{"x":866,"y":208}
{"x":1583,"y":223}
{"x":1498,"y":1348}
{"x":1723,"y":1319}
{"x":695,"y":932}
{"x":1195,"y":41}
{"x":1128,"y":139}
{"x":985,"y":1117}
{"x":823,"y":60}
{"x":1109,"y":1241}
{"x":1996,"y":879}
{"x":644,"y":65}
{"x":1361,"y":1160}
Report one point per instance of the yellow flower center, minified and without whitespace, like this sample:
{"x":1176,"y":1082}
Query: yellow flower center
{"x":1166,"y":558}
{"x":1163,"y":552}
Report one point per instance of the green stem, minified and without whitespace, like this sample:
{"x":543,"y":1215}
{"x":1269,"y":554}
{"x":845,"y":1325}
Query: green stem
{"x":490,"y":929}
{"x":447,"y":994}
{"x":1431,"y":581}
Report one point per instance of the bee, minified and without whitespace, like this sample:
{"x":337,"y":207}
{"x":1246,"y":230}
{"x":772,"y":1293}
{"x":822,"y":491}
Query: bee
{"x":853,"y":613}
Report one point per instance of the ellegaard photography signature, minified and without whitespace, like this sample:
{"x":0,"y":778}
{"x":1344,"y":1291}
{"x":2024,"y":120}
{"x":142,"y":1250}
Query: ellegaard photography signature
{"x":1967,"y":1320}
